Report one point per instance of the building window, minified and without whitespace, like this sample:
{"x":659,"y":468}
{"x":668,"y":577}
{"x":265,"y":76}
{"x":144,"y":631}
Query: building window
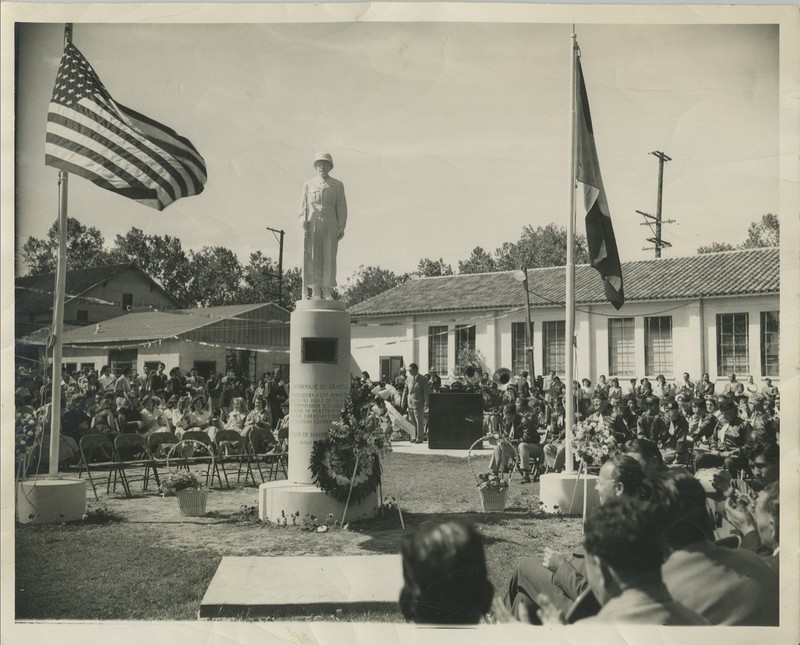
{"x":770,"y":343}
{"x":127,"y":301}
{"x":621,"y":347}
{"x":205,"y":369}
{"x":519,"y":357}
{"x":437,"y":348}
{"x":119,"y":359}
{"x":465,"y":345}
{"x":658,"y":345}
{"x":390,"y":368}
{"x":83,"y":315}
{"x":732,"y":350}
{"x":553,"y":347}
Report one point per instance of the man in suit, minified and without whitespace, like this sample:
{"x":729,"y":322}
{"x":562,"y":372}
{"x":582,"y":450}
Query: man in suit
{"x":726,"y":586}
{"x":561,"y":579}
{"x":416,"y":398}
{"x":623,"y":568}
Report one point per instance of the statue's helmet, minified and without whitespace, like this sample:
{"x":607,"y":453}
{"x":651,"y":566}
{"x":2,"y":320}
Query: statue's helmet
{"x":323,"y":156}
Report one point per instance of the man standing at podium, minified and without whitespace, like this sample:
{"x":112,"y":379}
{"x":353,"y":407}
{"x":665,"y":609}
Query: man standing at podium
{"x":415,"y":397}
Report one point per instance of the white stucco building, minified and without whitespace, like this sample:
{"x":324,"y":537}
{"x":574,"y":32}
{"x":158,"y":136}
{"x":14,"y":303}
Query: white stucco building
{"x":715,"y":313}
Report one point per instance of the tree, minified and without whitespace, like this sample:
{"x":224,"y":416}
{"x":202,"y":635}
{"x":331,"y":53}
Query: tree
{"x":428,"y":268}
{"x":760,"y":234}
{"x":260,"y":278}
{"x":480,"y":261}
{"x":716,"y":247}
{"x":85,"y":248}
{"x":162,"y":258}
{"x":544,"y":246}
{"x":767,"y":232}
{"x":367,"y":282}
{"x":216,"y":277}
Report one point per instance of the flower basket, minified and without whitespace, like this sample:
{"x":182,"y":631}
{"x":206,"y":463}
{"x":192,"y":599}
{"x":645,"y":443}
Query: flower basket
{"x":493,"y":499}
{"x":192,"y":502}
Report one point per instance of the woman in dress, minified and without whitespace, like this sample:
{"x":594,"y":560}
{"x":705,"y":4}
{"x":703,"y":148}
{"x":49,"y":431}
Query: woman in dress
{"x":154,"y":416}
{"x":662,"y":389}
{"x":258,"y":417}
{"x":199,"y":417}
{"x":104,"y":420}
{"x":237,"y":416}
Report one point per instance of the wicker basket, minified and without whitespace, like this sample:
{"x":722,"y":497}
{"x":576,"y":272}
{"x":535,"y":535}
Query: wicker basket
{"x":492,"y":499}
{"x":192,"y":502}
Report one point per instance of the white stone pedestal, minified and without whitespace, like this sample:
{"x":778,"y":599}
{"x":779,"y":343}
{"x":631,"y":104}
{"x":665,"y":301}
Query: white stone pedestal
{"x":284,"y":497}
{"x":43,"y":501}
{"x":320,"y":383}
{"x":565,"y":490}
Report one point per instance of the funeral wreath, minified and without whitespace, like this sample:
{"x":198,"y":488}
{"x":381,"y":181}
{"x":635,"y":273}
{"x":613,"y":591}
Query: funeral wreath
{"x":351,"y":452}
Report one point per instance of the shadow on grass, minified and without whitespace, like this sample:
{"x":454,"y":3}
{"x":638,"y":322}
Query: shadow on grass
{"x":385,"y":533}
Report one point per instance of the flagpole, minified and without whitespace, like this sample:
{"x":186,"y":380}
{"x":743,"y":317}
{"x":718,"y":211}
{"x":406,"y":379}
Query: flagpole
{"x":569,"y":403}
{"x":58,"y":307}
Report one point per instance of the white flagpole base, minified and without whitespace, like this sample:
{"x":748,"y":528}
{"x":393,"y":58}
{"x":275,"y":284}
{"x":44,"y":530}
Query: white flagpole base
{"x":563,"y":493}
{"x":44,"y":501}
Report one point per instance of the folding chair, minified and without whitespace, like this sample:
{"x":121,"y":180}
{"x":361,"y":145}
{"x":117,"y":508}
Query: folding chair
{"x":132,"y":452}
{"x":202,"y":437}
{"x":585,"y":605}
{"x":190,"y":451}
{"x":159,"y":444}
{"x":97,"y":452}
{"x":231,"y":448}
{"x":263,"y":450}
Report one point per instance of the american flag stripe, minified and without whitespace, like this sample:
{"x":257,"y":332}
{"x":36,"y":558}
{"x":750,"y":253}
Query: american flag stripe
{"x":116,"y":148}
{"x":98,"y":121}
{"x":96,"y":141}
{"x":170,"y":140}
{"x":133,"y":140}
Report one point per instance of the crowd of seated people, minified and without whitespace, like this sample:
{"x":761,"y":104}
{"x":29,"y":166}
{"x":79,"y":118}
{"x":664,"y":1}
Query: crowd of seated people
{"x":155,"y":401}
{"x":649,"y":557}
{"x":687,"y":532}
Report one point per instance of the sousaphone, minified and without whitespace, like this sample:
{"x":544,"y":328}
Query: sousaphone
{"x":473,"y":373}
{"x":502,"y":376}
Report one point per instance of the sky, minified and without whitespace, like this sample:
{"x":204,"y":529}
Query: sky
{"x":446,"y":135}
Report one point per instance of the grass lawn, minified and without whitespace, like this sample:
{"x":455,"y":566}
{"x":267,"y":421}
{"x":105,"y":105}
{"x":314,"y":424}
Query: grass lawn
{"x":156,"y":565}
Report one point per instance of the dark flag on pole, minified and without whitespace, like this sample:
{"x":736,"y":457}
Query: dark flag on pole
{"x":603,"y":254}
{"x":91,"y":135}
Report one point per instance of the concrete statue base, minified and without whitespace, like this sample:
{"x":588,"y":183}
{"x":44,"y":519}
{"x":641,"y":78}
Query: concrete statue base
{"x":320,"y":383}
{"x":283,"y":497}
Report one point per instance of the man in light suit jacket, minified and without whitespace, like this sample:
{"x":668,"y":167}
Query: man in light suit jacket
{"x":416,"y":397}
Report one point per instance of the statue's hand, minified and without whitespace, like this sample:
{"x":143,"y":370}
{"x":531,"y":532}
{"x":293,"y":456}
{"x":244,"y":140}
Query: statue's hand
{"x":341,"y":234}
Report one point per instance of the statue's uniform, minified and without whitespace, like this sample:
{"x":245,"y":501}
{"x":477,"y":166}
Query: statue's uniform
{"x":325,"y":208}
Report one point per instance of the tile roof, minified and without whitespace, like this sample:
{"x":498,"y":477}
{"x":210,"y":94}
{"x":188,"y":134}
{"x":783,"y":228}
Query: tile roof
{"x":149,"y":325}
{"x":34,"y":293}
{"x":729,"y":273}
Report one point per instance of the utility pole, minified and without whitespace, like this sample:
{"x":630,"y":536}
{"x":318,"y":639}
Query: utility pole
{"x":279,"y":235}
{"x":657,"y":240}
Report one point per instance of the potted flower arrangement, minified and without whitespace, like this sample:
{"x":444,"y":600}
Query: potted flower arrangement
{"x":592,"y":443}
{"x":493,"y":490}
{"x":190,"y":490}
{"x":27,"y":434}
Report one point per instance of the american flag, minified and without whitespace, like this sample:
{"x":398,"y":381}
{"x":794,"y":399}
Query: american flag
{"x":91,"y":135}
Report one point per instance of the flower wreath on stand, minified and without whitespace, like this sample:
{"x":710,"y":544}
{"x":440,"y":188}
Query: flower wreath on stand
{"x":593,"y":443}
{"x":356,"y":437}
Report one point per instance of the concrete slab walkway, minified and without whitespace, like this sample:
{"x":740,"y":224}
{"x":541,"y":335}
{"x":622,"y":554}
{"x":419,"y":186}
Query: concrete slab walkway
{"x":288,"y":586}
